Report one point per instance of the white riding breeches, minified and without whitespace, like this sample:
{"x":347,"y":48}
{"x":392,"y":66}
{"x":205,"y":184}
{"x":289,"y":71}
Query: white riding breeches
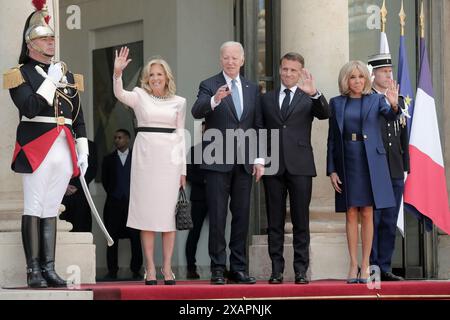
{"x":44,"y":189}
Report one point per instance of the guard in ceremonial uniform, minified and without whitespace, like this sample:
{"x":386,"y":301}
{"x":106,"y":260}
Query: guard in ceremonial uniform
{"x":395,"y":139}
{"x":51,"y":145}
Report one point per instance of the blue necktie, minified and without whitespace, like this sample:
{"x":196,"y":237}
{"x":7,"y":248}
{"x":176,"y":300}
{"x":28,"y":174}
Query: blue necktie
{"x":236,"y":98}
{"x":285,"y":104}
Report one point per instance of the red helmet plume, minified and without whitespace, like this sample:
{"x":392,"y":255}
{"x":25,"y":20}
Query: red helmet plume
{"x":39,"y":4}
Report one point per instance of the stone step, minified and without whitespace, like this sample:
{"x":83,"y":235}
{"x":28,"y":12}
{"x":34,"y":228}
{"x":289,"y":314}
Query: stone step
{"x":30,"y":294}
{"x":325,"y":213}
{"x":10,"y":209}
{"x":11,"y":238}
{"x":328,"y":257}
{"x":75,"y":258}
{"x":11,"y":217}
{"x":320,"y":226}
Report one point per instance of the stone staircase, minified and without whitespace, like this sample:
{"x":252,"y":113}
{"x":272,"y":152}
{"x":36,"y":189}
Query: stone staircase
{"x":28,"y":294}
{"x":328,"y":248}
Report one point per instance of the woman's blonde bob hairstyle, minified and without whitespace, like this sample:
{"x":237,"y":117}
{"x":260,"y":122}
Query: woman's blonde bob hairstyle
{"x":346,"y":72}
{"x":170,"y":88}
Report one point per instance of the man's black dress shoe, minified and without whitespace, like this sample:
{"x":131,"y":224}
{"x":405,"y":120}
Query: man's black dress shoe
{"x":240,"y":277}
{"x":300,"y":278}
{"x":192,"y":274}
{"x":276,"y":278}
{"x":389,"y":276}
{"x":217,"y":277}
{"x":110,"y":276}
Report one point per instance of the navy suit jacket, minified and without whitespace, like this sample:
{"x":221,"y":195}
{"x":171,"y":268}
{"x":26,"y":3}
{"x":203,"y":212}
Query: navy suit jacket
{"x":109,"y":172}
{"x":224,"y":118}
{"x":373,"y":105}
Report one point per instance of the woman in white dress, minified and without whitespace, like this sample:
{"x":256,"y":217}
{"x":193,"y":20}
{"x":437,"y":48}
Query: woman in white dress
{"x":158,"y":167}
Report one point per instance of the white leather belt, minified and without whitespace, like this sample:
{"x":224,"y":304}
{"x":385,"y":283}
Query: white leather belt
{"x":59,"y":120}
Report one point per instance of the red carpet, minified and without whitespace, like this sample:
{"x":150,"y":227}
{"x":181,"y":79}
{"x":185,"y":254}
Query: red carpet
{"x":324,"y":289}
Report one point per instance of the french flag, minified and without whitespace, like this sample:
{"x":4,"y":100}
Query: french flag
{"x":426,"y":188}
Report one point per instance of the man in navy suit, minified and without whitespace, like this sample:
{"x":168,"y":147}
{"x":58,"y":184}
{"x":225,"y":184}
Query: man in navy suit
{"x":291,"y":110}
{"x":230,"y":105}
{"x":116,"y":170}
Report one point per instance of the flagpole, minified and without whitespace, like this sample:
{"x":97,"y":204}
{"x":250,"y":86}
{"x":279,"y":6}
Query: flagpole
{"x":384,"y":46}
{"x":433,"y":237}
{"x":383,"y":13}
{"x":402,"y":16}
{"x":422,"y":21}
{"x":401,"y":214}
{"x":55,"y":4}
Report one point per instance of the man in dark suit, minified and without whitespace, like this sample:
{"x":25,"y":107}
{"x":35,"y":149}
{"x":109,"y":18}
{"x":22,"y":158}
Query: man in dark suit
{"x":197,"y":180}
{"x":116,"y":169}
{"x":230,"y":105}
{"x":395,"y":140}
{"x":291,"y":110}
{"x":78,"y":212}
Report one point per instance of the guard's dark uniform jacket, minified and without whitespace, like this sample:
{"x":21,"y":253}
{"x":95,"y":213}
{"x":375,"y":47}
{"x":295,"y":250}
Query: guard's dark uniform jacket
{"x":396,"y":143}
{"x":33,"y":138}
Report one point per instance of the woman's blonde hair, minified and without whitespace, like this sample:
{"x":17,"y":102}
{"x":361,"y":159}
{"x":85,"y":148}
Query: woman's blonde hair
{"x":170,"y":88}
{"x":346,"y":72}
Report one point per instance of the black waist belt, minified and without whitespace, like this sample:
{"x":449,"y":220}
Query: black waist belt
{"x":153,"y":129}
{"x":354,"y":137}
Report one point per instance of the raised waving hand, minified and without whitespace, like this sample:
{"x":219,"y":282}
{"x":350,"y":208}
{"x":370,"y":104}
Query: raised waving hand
{"x":121,"y":61}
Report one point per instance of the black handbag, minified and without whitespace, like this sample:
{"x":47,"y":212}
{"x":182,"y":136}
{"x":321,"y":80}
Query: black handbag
{"x":182,"y":213}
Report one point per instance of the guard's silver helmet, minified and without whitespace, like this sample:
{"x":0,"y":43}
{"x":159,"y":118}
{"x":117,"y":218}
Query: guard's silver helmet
{"x":38,"y":27}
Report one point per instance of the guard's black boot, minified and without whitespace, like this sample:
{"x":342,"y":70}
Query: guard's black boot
{"x":30,"y":240}
{"x":48,"y":246}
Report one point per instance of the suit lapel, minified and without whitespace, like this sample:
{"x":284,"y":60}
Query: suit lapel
{"x":297,"y":97}
{"x":367,"y":102}
{"x":228,"y":101}
{"x":340,"y":108}
{"x":276,"y":103}
{"x":245,"y":99}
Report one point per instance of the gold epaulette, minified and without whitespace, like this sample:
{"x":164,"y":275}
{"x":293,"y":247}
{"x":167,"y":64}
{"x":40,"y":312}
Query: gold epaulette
{"x":13,"y":78}
{"x":79,"y":81}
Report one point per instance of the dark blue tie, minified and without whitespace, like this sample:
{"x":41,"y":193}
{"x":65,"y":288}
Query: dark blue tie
{"x":285,"y":104}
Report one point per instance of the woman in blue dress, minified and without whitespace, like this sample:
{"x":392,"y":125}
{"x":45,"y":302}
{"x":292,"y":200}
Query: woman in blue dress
{"x":356,"y":158}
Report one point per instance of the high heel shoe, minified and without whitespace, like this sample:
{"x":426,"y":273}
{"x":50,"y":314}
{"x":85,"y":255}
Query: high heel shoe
{"x":363,"y":280}
{"x":168,"y":282}
{"x":151,"y":282}
{"x":355,"y":280}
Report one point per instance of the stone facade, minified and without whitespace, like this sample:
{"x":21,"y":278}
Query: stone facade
{"x":301,"y":24}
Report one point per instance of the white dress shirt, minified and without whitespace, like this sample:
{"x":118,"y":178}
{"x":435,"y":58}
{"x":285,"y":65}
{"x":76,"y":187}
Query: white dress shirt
{"x":123,"y":155}
{"x":238,"y":85}
{"x":283,"y":94}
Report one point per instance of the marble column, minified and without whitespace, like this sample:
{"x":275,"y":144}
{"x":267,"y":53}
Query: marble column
{"x":318,"y":30}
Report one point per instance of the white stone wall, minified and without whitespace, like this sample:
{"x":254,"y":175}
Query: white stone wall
{"x":12,"y":21}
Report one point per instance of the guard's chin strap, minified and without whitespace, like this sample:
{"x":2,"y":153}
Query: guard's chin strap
{"x":39,"y":50}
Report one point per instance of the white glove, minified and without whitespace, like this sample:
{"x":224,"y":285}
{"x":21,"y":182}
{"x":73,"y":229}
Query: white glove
{"x":83,"y":163}
{"x":55,"y":73}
